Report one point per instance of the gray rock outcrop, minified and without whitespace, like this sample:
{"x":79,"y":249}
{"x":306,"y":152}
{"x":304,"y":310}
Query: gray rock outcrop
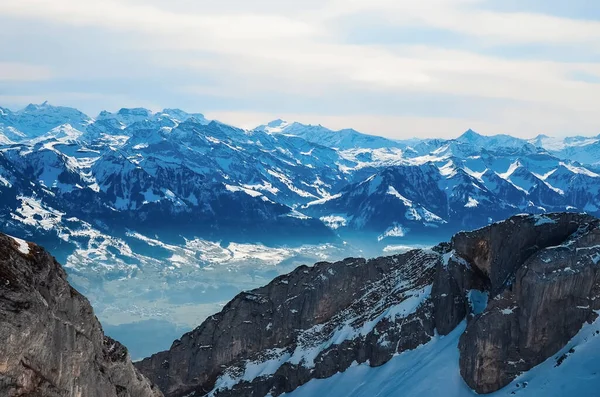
{"x":316,"y":320}
{"x":551,"y":294}
{"x":52,"y":344}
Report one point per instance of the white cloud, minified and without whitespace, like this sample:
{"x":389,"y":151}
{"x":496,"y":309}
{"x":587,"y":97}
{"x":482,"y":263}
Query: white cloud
{"x":463,"y":16}
{"x":279,"y":48}
{"x":13,"y":71}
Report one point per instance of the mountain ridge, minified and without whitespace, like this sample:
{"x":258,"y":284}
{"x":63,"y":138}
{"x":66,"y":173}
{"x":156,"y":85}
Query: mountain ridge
{"x":317,"y":321}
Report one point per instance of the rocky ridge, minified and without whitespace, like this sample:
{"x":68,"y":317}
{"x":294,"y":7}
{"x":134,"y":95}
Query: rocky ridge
{"x":53,"y":345}
{"x":524,"y":286}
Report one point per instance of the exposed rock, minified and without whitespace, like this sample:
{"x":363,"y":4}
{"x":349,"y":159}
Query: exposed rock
{"x":497,"y":251}
{"x":53,"y":345}
{"x":554,"y":293}
{"x":316,"y":321}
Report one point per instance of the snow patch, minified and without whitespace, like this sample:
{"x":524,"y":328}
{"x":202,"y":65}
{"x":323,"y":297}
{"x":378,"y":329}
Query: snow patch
{"x":23,"y":245}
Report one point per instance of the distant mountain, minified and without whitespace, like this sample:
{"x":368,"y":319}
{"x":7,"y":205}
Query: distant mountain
{"x":585,"y":150}
{"x":497,"y":143}
{"x":280,"y":182}
{"x":342,"y":139}
{"x":36,"y":120}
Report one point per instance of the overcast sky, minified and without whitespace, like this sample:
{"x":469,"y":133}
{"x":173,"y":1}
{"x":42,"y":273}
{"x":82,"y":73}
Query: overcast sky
{"x":397,"y":68}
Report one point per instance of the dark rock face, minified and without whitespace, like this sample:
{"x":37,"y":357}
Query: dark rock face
{"x":299,"y":313}
{"x":53,"y":345}
{"x":554,"y":293}
{"x":497,"y":251}
{"x":540,"y":273}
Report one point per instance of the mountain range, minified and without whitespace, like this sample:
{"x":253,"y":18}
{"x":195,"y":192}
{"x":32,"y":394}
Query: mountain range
{"x":147,"y":208}
{"x":136,"y":169}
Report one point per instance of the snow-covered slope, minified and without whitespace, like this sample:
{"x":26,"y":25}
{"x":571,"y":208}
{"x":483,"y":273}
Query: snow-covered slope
{"x":432,"y":370}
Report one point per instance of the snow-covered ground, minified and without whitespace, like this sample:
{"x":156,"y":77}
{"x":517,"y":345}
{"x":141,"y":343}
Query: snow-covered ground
{"x":432,"y":370}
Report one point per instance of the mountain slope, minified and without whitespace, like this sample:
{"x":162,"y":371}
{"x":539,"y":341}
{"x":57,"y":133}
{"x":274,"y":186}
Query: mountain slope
{"x":316,"y":322}
{"x":53,"y":343}
{"x":36,"y":120}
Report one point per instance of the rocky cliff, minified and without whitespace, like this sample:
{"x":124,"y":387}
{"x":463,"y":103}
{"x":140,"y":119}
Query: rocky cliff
{"x":538,"y":273}
{"x":52,"y":344}
{"x":548,"y":295}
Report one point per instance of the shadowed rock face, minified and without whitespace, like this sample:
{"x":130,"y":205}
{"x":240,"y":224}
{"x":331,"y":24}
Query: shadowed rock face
{"x":554,"y":291}
{"x":497,"y":251}
{"x":52,"y":344}
{"x":308,"y":310}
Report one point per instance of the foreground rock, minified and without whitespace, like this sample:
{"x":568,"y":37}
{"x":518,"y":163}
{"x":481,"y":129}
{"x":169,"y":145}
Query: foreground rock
{"x":52,"y":344}
{"x":551,"y":293}
{"x":538,"y":272}
{"x":310,"y":323}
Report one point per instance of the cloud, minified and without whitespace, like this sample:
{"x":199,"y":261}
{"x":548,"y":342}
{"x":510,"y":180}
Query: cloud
{"x":463,"y":16}
{"x":12,"y":71}
{"x":235,"y":56}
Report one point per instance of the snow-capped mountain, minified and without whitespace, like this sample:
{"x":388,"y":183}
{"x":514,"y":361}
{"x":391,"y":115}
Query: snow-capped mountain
{"x":138,"y":169}
{"x":181,"y":204}
{"x":342,"y":139}
{"x":36,"y":120}
{"x":585,"y":150}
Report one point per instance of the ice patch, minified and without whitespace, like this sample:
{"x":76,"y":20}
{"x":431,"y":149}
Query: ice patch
{"x":392,"y":231}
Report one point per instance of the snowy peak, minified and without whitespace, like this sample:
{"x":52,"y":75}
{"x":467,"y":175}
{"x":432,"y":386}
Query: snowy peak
{"x":344,"y":139}
{"x":127,"y":117}
{"x":273,"y":127}
{"x":497,"y":143}
{"x":179,"y":115}
{"x":470,"y":136}
{"x":36,"y":120}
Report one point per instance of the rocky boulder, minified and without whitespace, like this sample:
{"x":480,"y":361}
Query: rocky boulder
{"x":52,"y":344}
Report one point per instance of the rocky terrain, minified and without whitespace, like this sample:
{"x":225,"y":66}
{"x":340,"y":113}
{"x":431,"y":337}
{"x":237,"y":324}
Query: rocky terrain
{"x":52,"y":344}
{"x":524,"y":286}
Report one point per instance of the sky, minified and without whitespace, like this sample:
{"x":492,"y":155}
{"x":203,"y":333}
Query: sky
{"x":397,"y":68}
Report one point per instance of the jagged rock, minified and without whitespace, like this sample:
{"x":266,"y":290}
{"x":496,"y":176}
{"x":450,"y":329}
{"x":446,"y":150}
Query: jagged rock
{"x":316,"y":320}
{"x":497,"y":251}
{"x":53,"y":345}
{"x":555,"y":291}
